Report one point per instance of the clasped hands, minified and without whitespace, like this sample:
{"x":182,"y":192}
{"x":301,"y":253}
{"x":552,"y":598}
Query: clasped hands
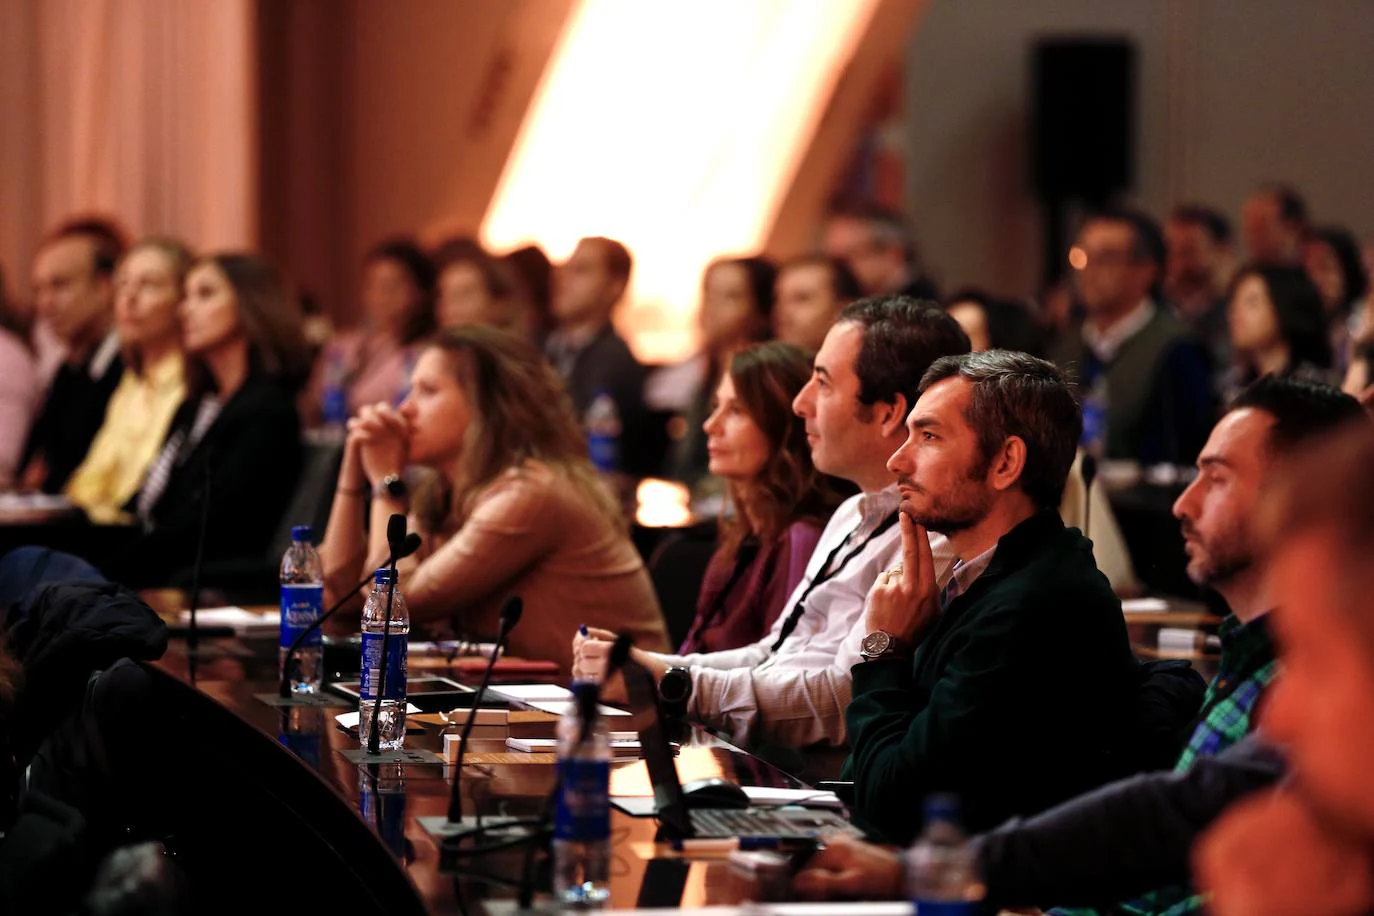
{"x":379,"y":437}
{"x":905,"y":600}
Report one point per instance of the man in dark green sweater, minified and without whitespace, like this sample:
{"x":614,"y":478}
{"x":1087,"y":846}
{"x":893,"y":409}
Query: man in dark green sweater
{"x":1011,"y":683}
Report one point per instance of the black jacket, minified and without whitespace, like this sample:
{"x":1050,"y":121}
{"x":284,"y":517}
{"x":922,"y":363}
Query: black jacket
{"x":81,"y":736}
{"x":72,"y":414}
{"x":1124,"y":839}
{"x":1019,"y":698}
{"x":606,"y":364}
{"x":250,"y":460}
{"x":61,"y":633}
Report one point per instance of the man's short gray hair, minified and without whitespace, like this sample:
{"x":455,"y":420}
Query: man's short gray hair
{"x":1016,"y":394}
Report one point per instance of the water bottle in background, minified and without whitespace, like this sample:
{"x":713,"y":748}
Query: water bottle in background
{"x":602,"y":423}
{"x":391,"y":729}
{"x":335,"y":395}
{"x":942,"y":875}
{"x":1094,"y":440}
{"x":302,"y":601}
{"x":582,"y":821}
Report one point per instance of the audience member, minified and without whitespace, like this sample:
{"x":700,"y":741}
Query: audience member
{"x":780,"y":502}
{"x":736,"y":300}
{"x":1359,"y":378}
{"x":149,"y":285}
{"x":1331,"y":257}
{"x":995,"y":324}
{"x":1146,"y":384}
{"x":515,"y":507}
{"x":1197,"y":272}
{"x":19,"y":388}
{"x":589,"y":354}
{"x":1277,"y":328}
{"x":532,"y":266}
{"x":233,"y":453}
{"x":475,"y":288}
{"x":790,"y":689}
{"x":1002,"y":649}
{"x":1273,"y":221}
{"x":880,"y":248}
{"x":1135,"y":835}
{"x":811,"y":291}
{"x":1307,"y":847}
{"x":73,"y":284}
{"x":372,"y":363}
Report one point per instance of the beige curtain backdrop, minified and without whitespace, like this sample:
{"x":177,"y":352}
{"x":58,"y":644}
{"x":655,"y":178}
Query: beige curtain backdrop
{"x":142,"y":109}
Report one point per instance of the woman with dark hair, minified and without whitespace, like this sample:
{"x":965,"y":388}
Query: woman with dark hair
{"x":736,"y":308}
{"x":514,"y":506}
{"x":20,"y":392}
{"x":1332,"y":259}
{"x":1278,"y":327}
{"x":758,"y":446}
{"x":373,"y":362}
{"x":475,"y":288}
{"x":232,"y":456}
{"x":149,"y":283}
{"x":995,"y":324}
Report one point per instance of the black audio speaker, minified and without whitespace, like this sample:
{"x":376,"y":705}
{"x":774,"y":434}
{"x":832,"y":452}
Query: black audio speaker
{"x":1083,"y":118}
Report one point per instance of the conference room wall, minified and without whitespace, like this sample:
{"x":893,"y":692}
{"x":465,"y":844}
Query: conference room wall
{"x":1230,"y":94}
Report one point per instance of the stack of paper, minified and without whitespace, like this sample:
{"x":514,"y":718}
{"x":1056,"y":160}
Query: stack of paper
{"x":549,"y":698}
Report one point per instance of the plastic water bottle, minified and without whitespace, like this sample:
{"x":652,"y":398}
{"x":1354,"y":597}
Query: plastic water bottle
{"x":335,"y":395}
{"x":302,"y":601}
{"x":582,"y":822}
{"x":1094,"y":440}
{"x":391,"y":728}
{"x":603,"y":433}
{"x":942,"y":875}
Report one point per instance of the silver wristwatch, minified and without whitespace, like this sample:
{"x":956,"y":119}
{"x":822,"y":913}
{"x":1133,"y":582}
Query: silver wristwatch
{"x":880,"y":644}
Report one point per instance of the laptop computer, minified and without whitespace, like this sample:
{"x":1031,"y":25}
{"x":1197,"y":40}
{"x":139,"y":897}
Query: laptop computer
{"x":676,"y":821}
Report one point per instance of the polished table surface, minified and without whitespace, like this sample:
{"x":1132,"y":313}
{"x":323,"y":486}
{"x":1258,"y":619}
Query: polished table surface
{"x":385,"y":799}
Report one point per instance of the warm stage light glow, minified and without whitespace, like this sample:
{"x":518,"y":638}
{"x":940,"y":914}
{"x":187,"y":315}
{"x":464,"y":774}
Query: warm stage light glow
{"x":675,"y":128}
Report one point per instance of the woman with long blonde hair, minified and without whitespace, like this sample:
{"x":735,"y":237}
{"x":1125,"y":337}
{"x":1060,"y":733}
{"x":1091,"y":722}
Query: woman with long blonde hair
{"x":513,"y":506}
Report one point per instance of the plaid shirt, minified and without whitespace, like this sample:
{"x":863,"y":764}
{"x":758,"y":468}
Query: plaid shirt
{"x":1248,"y":666}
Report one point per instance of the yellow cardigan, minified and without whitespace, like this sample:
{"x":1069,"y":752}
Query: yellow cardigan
{"x":136,"y":421}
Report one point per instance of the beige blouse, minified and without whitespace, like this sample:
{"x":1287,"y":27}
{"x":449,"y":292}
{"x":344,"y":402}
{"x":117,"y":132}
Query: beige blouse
{"x":532,"y":534}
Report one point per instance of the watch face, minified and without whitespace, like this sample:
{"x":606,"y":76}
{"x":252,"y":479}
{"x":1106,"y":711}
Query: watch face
{"x":676,"y":685}
{"x":877,"y":643}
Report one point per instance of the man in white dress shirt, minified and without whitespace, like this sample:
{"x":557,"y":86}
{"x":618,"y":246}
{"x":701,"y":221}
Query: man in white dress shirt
{"x":791,"y":688}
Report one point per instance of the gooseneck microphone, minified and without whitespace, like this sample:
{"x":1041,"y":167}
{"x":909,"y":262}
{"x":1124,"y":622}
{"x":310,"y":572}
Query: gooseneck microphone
{"x":395,"y":539}
{"x":408,"y":546}
{"x":511,"y":610}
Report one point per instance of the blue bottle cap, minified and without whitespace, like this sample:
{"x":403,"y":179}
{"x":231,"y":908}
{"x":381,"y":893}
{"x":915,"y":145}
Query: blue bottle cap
{"x":302,"y":533}
{"x":384,"y":576}
{"x":942,"y":806}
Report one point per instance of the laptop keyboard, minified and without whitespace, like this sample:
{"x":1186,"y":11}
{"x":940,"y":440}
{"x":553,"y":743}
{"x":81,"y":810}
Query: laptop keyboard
{"x":794,"y":822}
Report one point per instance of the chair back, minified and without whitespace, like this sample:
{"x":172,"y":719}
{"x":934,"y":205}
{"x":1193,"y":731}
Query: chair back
{"x":313,"y":497}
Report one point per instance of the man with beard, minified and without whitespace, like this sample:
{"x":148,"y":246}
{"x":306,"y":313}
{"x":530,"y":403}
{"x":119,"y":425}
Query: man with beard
{"x":1136,"y":834}
{"x":1010,"y":686}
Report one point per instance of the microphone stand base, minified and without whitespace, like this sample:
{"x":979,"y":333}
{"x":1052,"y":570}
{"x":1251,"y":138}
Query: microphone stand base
{"x":498,"y":827}
{"x":360,"y":756}
{"x":303,"y":699}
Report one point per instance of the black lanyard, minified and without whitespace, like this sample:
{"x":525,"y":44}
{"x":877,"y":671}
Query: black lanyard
{"x":826,"y":574}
